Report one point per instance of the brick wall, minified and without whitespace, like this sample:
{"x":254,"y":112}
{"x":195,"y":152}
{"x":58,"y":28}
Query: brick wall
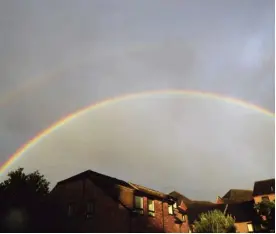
{"x":110,"y":215}
{"x":258,"y":199}
{"x":242,"y":227}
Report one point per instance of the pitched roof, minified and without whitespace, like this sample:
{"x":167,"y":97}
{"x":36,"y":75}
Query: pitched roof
{"x":97,"y":176}
{"x":148,"y":191}
{"x":242,"y":212}
{"x":180,"y":198}
{"x":188,"y":202}
{"x":264,"y":187}
{"x":237,"y":195}
{"x":110,"y":185}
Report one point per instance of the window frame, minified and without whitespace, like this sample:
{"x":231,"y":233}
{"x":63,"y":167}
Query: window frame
{"x":184,"y":218}
{"x":170,"y":208}
{"x":252,"y":228}
{"x":139,"y":210}
{"x":151,"y":213}
{"x":70,"y":209}
{"x":90,"y":212}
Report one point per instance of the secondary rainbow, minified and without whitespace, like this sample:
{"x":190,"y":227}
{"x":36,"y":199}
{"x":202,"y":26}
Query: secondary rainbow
{"x":114,"y":100}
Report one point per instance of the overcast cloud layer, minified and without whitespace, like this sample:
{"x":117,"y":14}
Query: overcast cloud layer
{"x":59,"y":56}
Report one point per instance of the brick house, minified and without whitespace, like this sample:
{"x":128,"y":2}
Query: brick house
{"x":238,"y":203}
{"x":243,"y":213}
{"x":92,"y":202}
{"x":264,"y":190}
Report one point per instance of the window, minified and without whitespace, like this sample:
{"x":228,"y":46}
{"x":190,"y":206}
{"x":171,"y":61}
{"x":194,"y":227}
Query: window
{"x":170,"y":209}
{"x":250,"y":227}
{"x":265,"y":198}
{"x":183,"y":218}
{"x":151,"y":207}
{"x":139,"y":204}
{"x":70,"y":209}
{"x":174,"y":205}
{"x":90,"y":208}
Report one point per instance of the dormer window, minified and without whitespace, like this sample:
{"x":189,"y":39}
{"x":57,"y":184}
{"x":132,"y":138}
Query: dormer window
{"x":139,"y":205}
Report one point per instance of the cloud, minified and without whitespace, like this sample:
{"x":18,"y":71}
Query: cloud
{"x":58,"y":57}
{"x":184,"y":142}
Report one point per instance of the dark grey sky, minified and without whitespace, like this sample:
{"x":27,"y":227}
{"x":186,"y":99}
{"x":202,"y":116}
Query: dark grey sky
{"x":59,"y":56}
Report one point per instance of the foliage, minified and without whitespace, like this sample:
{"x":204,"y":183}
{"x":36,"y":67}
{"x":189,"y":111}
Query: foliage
{"x":266,"y":210}
{"x":265,"y":207}
{"x":215,"y":221}
{"x":23,"y":196}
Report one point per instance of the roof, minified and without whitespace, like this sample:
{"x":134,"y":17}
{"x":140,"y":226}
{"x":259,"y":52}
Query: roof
{"x":237,"y":195}
{"x":242,"y":212}
{"x":180,"y":198}
{"x":97,"y":176}
{"x":148,"y":191}
{"x":264,"y":187}
{"x":188,"y":202}
{"x":110,"y":185}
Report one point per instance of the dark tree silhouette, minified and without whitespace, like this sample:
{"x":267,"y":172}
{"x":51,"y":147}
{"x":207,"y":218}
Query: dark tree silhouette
{"x":22,"y":200}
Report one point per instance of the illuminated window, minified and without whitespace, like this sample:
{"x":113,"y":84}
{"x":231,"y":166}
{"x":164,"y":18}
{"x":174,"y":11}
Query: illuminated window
{"x":174,"y":205}
{"x":139,"y":204}
{"x":183,"y":218}
{"x":170,"y":209}
{"x":151,"y":207}
{"x":250,"y":227}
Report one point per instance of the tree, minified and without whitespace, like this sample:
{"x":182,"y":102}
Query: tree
{"x":21,"y":199}
{"x":215,"y":221}
{"x":266,"y":210}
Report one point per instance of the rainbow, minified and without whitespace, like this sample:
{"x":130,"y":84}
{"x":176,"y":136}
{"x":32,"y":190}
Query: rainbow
{"x":114,"y":100}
